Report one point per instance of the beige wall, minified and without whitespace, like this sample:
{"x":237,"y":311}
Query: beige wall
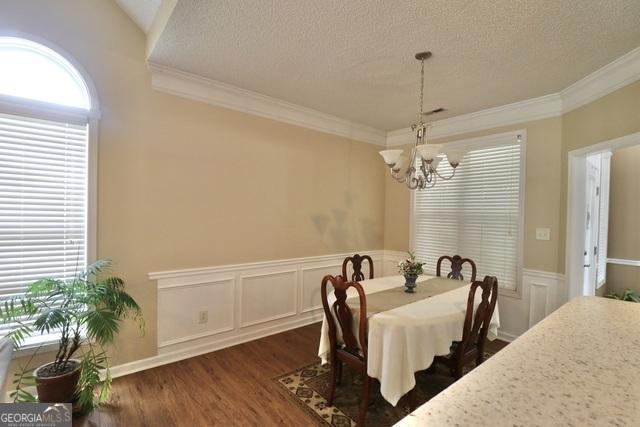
{"x":542,"y":194}
{"x":621,"y":277}
{"x":624,"y":204}
{"x":183,"y":184}
{"x":612,"y":116}
{"x":624,"y":219}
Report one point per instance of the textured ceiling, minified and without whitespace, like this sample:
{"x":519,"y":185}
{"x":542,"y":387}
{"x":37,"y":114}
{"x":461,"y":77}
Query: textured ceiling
{"x":354,"y":59}
{"x":141,"y":11}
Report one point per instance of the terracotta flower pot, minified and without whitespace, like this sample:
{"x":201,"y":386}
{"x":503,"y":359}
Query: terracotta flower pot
{"x":57,"y":389}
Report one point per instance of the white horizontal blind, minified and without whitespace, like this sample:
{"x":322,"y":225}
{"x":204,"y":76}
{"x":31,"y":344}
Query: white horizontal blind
{"x":43,"y":202}
{"x":475,"y":215}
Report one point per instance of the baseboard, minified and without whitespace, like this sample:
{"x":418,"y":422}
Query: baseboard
{"x":506,"y":336}
{"x":197,"y":350}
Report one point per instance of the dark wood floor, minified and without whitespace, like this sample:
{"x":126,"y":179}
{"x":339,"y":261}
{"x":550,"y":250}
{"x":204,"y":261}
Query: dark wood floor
{"x":230,"y":387}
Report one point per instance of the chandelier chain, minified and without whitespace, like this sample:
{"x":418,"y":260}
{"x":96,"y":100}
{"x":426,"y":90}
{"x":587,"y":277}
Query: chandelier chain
{"x":421,"y":91}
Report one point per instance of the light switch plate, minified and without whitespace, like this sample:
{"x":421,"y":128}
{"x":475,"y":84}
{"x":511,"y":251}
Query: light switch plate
{"x":543,"y":234}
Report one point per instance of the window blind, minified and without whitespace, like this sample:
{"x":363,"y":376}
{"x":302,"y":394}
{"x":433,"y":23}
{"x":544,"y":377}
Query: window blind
{"x":43,"y":202}
{"x":475,"y":215}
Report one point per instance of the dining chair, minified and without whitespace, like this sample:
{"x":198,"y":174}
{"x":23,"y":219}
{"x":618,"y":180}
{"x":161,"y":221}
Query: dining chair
{"x":357,"y":261}
{"x":476,"y":327}
{"x":456,"y":267}
{"x":353,"y":350}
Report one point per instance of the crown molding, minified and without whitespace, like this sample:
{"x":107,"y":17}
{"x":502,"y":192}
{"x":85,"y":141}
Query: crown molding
{"x":518,"y":112}
{"x":187,"y":85}
{"x":613,"y":76}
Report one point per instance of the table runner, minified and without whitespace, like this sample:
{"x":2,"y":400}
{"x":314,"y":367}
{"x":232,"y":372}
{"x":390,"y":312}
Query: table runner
{"x":396,"y":297}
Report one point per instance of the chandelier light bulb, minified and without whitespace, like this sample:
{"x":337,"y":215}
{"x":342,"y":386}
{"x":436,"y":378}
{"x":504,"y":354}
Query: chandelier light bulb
{"x":455,"y":156}
{"x":390,"y":156}
{"x":400,"y":164}
{"x":429,"y":151}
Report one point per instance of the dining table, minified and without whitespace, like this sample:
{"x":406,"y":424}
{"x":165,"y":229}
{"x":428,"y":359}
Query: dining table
{"x":407,"y":330}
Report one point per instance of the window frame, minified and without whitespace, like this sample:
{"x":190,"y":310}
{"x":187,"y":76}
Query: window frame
{"x":56,"y":112}
{"x":481,"y":142}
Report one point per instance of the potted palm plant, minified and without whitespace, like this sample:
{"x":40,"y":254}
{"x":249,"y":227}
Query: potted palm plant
{"x":85,"y":312}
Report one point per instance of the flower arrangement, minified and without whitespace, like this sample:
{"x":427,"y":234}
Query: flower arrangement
{"x":410,"y":267}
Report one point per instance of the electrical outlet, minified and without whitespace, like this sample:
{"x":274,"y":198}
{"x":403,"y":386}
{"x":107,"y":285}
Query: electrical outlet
{"x":543,"y":234}
{"x":203,"y":317}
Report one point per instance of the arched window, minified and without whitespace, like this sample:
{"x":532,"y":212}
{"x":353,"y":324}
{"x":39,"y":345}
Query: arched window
{"x":45,"y":116}
{"x":32,"y":71}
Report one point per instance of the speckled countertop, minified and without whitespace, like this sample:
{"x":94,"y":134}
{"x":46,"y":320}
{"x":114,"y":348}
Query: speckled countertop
{"x":578,"y":367}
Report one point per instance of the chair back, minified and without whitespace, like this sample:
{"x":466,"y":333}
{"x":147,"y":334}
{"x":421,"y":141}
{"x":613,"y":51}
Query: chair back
{"x":456,"y":267}
{"x":357,"y":261}
{"x":476,"y":324}
{"x":339,"y":316}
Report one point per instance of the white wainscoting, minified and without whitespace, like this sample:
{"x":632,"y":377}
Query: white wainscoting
{"x":243,"y":302}
{"x":539,"y":298}
{"x":543,"y":288}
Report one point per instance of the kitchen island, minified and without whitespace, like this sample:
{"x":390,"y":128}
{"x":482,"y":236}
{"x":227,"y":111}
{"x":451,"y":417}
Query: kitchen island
{"x":579,"y":366}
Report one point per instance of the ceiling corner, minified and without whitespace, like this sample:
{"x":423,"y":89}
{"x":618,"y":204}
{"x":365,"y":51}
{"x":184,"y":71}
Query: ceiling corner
{"x":157,"y":26}
{"x":142,"y":12}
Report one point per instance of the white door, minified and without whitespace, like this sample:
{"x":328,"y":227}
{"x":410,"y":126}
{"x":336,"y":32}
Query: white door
{"x":592,"y":224}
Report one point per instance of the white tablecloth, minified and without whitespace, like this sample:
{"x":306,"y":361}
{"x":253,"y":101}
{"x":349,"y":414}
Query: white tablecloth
{"x":405,"y":340}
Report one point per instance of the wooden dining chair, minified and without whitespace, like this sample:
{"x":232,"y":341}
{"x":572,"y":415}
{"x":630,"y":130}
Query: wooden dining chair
{"x":476,"y":327}
{"x":357,"y":261}
{"x":352,"y":351}
{"x":456,"y":267}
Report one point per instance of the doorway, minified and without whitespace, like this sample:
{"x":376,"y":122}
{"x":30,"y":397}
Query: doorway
{"x":587,"y":216}
{"x":596,"y":210}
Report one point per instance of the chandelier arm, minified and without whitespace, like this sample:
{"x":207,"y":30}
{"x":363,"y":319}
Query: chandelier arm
{"x":398,"y":177}
{"x":413,"y":183}
{"x":433,"y":183}
{"x":447,"y":178}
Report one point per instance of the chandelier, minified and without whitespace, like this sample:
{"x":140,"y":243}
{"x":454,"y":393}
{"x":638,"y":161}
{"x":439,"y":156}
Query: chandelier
{"x":403,"y":169}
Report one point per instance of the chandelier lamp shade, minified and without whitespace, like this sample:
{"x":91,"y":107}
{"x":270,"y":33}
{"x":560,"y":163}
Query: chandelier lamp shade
{"x":420,"y":169}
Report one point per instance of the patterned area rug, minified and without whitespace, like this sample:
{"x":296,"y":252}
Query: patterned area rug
{"x":309,"y":388}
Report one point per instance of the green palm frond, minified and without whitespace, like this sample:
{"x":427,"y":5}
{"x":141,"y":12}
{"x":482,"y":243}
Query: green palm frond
{"x":50,"y":320}
{"x":102,"y":325}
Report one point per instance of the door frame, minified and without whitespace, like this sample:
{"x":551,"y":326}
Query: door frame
{"x":576,"y":220}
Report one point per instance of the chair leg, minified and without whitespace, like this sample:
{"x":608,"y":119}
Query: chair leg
{"x":366,"y":387}
{"x":339,"y":368}
{"x":458,"y":371}
{"x":480,"y":355}
{"x":412,"y":399}
{"x":334,"y":377}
